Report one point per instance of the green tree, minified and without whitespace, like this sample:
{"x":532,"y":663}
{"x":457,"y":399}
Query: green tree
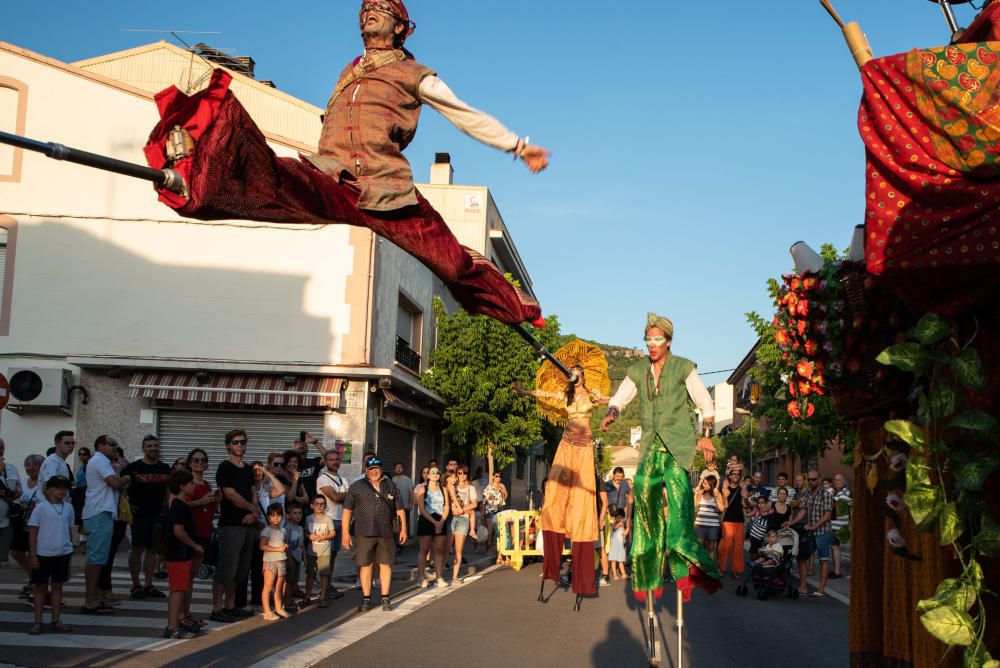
{"x":473,"y":367}
{"x":805,"y":439}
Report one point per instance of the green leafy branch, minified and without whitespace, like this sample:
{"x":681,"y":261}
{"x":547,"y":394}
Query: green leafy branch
{"x":951,"y":453}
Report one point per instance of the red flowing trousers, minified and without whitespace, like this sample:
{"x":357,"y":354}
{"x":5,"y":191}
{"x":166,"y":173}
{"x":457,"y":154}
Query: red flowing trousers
{"x":234,"y":174}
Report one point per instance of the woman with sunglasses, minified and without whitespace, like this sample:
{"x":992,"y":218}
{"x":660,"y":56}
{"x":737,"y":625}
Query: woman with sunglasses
{"x":204,"y":504}
{"x":464,"y":501}
{"x":432,"y":533}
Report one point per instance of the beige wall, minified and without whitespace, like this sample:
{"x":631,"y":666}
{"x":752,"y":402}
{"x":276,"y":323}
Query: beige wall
{"x":103,"y":268}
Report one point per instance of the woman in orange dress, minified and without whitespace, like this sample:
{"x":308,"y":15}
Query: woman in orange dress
{"x":570,"y":506}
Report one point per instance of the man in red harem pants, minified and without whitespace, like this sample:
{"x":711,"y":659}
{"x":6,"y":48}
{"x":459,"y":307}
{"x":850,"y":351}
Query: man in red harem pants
{"x":359,"y":176}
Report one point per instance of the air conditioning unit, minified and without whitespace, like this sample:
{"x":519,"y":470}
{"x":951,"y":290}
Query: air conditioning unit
{"x":34,"y":387}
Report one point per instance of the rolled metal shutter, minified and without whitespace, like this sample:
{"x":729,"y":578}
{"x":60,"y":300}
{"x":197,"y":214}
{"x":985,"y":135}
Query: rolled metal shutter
{"x":181,"y":431}
{"x":395,"y":444}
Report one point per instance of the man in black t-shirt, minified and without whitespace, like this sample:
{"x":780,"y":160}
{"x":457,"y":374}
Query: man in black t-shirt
{"x":147,"y":493}
{"x":239,"y":513}
{"x":309,"y":467}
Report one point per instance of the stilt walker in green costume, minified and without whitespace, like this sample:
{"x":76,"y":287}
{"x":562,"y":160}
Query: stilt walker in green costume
{"x":668,"y":389}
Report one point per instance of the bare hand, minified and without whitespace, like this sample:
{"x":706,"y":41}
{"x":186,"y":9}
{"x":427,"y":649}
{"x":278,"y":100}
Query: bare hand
{"x":345,"y":541}
{"x":535,"y":157}
{"x":249,"y":518}
{"x":34,"y":562}
{"x":198,"y":549}
{"x":402,"y":536}
{"x":606,"y":422}
{"x":705,"y":446}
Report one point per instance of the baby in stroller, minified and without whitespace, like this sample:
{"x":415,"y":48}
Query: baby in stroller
{"x":769,"y":572}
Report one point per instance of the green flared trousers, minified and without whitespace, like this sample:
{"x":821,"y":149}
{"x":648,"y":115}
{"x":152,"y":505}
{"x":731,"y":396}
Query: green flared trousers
{"x":655,"y":535}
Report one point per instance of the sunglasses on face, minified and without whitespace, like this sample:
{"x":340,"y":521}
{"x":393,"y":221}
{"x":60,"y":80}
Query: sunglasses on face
{"x":241,"y":442}
{"x":813,"y":479}
{"x":199,"y":460}
{"x":655,"y":340}
{"x":278,"y":465}
{"x":434,"y":472}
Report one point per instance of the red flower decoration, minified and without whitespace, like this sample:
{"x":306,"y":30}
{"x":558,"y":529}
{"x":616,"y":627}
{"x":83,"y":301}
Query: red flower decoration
{"x":812,"y":347}
{"x":810,"y":282}
{"x":801,"y":327}
{"x":804,"y":369}
{"x":781,"y":337}
{"x":802,"y":308}
{"x":805,"y":388}
{"x":793,"y":409}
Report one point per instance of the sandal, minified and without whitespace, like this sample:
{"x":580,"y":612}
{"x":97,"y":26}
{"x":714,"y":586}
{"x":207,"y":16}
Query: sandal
{"x":35,"y":630}
{"x":283,"y":614}
{"x":818,"y":594}
{"x":153,"y":592}
{"x":59,"y":627}
{"x":138,"y":593}
{"x":271,"y":617}
{"x":99,"y":609}
{"x":194,"y":621}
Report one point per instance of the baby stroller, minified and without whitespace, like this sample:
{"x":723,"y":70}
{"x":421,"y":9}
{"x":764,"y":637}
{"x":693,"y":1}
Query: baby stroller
{"x":773,"y":580}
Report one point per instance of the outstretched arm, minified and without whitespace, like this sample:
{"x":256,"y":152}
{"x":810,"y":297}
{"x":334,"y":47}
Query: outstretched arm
{"x":538,"y":394}
{"x":479,"y":125}
{"x":626,"y":393}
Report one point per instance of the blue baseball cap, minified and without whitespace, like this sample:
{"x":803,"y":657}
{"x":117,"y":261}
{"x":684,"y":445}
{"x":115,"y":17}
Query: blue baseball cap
{"x":373,"y":463}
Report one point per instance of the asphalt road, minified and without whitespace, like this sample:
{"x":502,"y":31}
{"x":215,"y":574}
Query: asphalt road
{"x":496,"y":621}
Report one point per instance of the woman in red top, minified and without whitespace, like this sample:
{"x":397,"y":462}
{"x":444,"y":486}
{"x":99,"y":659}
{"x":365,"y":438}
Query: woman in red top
{"x":203,"y":503}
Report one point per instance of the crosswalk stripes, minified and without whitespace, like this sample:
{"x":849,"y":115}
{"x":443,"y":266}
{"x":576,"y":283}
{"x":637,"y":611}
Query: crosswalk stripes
{"x":136,"y":625}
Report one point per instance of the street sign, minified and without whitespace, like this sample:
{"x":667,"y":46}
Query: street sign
{"x":4,"y":391}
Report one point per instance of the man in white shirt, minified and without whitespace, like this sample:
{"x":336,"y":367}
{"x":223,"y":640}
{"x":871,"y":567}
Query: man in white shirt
{"x":334,"y":487}
{"x":100,"y":510}
{"x":55,"y":464}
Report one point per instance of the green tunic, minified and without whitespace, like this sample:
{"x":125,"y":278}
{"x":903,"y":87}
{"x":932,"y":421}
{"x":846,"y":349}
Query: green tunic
{"x":668,"y":412}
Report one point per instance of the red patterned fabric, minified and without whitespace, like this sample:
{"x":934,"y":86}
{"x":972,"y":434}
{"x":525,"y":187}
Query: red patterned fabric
{"x":930,"y":121}
{"x":235,"y":175}
{"x":985,"y":27}
{"x":697,"y":578}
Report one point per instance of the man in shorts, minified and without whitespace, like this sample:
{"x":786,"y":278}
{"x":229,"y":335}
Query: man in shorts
{"x":816,"y":508}
{"x":100,"y":511}
{"x":372,"y":502}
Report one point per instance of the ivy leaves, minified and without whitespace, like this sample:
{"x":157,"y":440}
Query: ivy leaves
{"x":951,"y":453}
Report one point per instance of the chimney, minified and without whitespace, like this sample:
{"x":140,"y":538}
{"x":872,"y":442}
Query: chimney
{"x":441,"y":170}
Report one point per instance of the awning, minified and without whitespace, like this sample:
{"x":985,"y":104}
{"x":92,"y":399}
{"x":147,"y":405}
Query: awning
{"x":392,"y":400}
{"x":245,"y":389}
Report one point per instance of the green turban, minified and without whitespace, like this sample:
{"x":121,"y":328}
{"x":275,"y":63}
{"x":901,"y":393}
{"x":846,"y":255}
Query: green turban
{"x":653,"y":320}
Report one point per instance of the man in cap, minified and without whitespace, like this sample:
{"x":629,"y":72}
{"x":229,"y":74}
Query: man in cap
{"x":667,"y":386}
{"x":372,"y":503}
{"x":359,"y":175}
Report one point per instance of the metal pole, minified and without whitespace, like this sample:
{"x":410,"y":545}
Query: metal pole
{"x":680,"y":628}
{"x":949,"y":15}
{"x":541,"y":350}
{"x":750,"y":465}
{"x":164,"y":178}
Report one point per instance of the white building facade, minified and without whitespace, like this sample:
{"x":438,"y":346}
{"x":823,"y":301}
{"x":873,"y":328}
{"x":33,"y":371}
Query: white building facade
{"x":187,"y":329}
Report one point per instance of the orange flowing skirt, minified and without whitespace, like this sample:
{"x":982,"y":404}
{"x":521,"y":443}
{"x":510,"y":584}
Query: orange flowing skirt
{"x":570,"y":505}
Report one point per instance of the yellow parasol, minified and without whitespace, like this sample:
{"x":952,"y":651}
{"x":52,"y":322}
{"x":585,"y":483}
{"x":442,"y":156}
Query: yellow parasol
{"x":551,"y":380}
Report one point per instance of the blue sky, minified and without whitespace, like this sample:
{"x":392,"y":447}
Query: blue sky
{"x":692,"y":143}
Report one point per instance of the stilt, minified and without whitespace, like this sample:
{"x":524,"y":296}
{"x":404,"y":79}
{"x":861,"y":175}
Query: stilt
{"x":541,"y":592}
{"x":576,"y":606}
{"x":680,"y":628}
{"x":654,"y":643}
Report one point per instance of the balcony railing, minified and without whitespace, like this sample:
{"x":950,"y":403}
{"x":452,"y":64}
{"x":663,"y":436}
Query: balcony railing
{"x":406,"y":355}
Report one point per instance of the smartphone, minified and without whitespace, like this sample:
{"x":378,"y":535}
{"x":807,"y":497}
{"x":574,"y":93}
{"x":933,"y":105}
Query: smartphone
{"x":302,"y":436}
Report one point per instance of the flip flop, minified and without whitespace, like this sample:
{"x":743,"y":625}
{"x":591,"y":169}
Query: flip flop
{"x":35,"y":630}
{"x":59,"y":627}
{"x":818,"y":594}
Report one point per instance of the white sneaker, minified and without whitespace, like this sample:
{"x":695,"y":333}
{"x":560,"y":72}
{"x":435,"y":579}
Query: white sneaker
{"x":603,"y":581}
{"x":441,"y":582}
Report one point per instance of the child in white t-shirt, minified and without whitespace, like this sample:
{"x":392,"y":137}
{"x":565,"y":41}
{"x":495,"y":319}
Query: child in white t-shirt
{"x":50,"y":546}
{"x":319,"y":550}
